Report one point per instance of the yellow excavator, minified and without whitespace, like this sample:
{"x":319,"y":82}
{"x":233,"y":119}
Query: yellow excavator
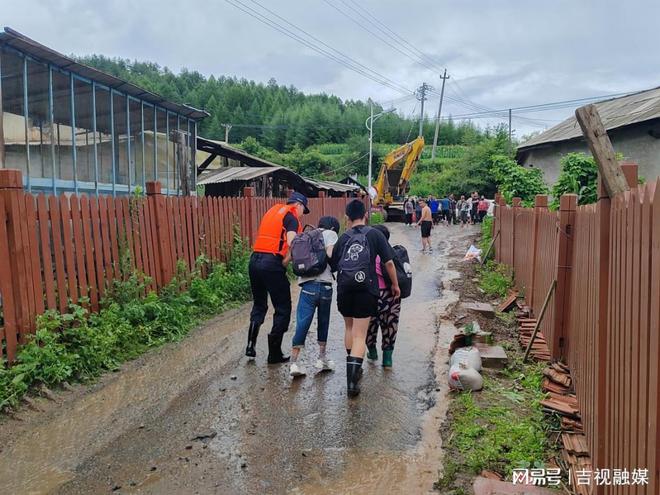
{"x":393,"y":180}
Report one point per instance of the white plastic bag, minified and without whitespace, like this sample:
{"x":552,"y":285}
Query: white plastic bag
{"x":462,"y":377}
{"x":467,"y":355}
{"x":473,"y":253}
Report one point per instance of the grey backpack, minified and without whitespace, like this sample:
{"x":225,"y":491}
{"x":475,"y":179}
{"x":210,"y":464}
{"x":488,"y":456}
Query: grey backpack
{"x":308,"y":255}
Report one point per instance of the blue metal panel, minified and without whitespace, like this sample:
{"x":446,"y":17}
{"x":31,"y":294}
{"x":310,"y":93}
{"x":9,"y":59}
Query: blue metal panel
{"x":27,"y":134}
{"x":128,"y":142}
{"x":74,"y":154}
{"x":112,"y":139}
{"x":52,"y":123}
{"x":96,"y":152}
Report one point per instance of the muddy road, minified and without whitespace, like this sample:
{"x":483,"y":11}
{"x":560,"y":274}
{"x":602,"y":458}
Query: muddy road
{"x":198,"y":417}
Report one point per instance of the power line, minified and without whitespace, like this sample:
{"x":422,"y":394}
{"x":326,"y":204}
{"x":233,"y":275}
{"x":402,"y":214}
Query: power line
{"x":345,"y":61}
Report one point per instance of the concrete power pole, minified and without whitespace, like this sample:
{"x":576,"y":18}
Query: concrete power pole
{"x":227,"y":129}
{"x":444,"y":77}
{"x":421,"y":95}
{"x":510,"y":127}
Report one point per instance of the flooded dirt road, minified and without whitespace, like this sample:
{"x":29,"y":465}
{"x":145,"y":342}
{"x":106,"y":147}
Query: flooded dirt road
{"x":183,"y":420}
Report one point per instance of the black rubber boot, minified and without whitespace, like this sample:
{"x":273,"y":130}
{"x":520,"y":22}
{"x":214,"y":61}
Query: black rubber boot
{"x":353,"y":375}
{"x":275,"y":355}
{"x":253,"y":331}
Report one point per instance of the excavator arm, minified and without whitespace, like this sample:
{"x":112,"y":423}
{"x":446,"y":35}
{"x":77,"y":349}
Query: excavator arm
{"x":396,"y":170}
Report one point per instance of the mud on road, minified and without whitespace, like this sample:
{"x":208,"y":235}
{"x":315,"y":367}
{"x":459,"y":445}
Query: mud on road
{"x":198,"y":417}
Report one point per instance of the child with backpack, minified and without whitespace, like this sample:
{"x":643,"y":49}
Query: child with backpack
{"x":310,"y":253}
{"x":389,"y":306}
{"x":354,"y":258}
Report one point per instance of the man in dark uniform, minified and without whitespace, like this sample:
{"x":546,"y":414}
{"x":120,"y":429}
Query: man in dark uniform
{"x":267,"y":270}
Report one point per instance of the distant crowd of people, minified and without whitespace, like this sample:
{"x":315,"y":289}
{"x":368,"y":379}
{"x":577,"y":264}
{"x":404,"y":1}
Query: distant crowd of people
{"x":430,"y":211}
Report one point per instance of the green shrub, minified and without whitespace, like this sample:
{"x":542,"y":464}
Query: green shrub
{"x":79,"y":345}
{"x":495,"y":279}
{"x":376,"y":217}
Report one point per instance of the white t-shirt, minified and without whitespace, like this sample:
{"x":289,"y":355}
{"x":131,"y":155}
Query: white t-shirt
{"x":330,"y":238}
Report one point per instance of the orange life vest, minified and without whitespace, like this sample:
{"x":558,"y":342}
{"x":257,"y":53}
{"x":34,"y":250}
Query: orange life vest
{"x":271,"y":237}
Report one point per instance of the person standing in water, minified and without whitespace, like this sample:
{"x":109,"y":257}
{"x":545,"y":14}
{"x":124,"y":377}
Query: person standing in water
{"x":315,"y":294}
{"x":354,"y":259}
{"x":387,"y":319}
{"x":426,"y":223}
{"x":267,"y":270}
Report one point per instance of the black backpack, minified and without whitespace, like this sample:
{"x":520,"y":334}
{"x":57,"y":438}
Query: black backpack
{"x":308,"y":255}
{"x":403,"y":270}
{"x":354,"y":269}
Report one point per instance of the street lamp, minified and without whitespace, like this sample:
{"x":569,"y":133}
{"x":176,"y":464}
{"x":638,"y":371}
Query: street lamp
{"x":370,"y":127}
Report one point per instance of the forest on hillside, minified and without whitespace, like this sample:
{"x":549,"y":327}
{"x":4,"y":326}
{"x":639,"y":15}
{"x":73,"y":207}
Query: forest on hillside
{"x":277,"y":116}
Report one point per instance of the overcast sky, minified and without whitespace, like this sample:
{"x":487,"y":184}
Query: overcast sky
{"x":499,"y":53}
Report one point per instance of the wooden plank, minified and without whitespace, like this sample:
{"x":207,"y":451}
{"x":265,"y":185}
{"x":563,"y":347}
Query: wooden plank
{"x":7,"y":290}
{"x":114,"y":235}
{"x":89,"y":252}
{"x":128,"y":230}
{"x":636,"y":212}
{"x":122,"y":240}
{"x":653,"y":427}
{"x":190,"y":224}
{"x":98,"y":249}
{"x":194,"y":207}
{"x":134,"y":205}
{"x":46,"y":255}
{"x":105,"y":240}
{"x":601,"y":148}
{"x":58,"y":251}
{"x":143,"y":237}
{"x":24,"y":267}
{"x":67,"y":239}
{"x":76,"y":221}
{"x":35,"y":258}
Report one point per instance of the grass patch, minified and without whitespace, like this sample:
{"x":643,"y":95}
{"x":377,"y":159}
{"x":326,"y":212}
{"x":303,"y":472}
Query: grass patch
{"x":495,"y":279}
{"x":79,"y":345}
{"x":376,"y":217}
{"x":486,"y":235}
{"x":500,"y":428}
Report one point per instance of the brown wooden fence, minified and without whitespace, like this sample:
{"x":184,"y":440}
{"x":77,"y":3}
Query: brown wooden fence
{"x":604,"y":318}
{"x":60,"y":249}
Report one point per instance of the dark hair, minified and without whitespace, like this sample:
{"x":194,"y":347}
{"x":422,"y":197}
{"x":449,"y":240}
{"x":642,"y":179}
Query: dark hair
{"x":329,"y":223}
{"x":355,"y":210}
{"x":384,"y":230}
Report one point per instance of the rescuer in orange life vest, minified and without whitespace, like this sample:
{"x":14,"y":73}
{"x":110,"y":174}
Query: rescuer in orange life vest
{"x":267,"y":270}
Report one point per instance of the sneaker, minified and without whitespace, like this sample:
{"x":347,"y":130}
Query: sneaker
{"x":325,"y":364}
{"x":297,"y":370}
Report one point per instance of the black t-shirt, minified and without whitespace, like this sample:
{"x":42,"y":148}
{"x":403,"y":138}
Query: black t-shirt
{"x":378,"y":246}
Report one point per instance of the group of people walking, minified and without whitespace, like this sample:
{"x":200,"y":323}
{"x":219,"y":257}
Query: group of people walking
{"x":448,"y":210}
{"x":367,"y":280}
{"x":426,"y":213}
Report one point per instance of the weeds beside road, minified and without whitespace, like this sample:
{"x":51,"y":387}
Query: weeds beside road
{"x":502,"y":427}
{"x":79,"y":345}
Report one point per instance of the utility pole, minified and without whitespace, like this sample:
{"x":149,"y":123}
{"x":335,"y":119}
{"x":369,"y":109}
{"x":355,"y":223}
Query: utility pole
{"x":509,"y":127}
{"x":227,"y":129}
{"x":371,"y":140}
{"x":444,"y":77}
{"x":421,"y":96}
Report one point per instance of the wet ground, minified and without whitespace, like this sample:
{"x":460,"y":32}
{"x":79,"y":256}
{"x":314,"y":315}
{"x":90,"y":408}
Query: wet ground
{"x":198,"y":417}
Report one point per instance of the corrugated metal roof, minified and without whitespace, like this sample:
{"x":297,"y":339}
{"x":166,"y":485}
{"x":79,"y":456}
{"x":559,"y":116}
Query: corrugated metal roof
{"x":38,"y":51}
{"x":615,"y":113}
{"x":329,"y":185}
{"x":230,"y":174}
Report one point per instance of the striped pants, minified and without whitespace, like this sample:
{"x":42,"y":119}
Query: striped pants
{"x":387,"y":319}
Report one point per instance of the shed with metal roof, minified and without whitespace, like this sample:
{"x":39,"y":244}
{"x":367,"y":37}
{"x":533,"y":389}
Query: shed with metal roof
{"x":632,"y":123}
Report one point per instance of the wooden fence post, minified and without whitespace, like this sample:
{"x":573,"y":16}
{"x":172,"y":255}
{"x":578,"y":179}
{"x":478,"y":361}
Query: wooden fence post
{"x":516,"y":205}
{"x":322,"y":196}
{"x":567,"y":207}
{"x":165,"y":259}
{"x":248,"y":194}
{"x":498,"y":244}
{"x":13,"y":282}
{"x":540,"y":204}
